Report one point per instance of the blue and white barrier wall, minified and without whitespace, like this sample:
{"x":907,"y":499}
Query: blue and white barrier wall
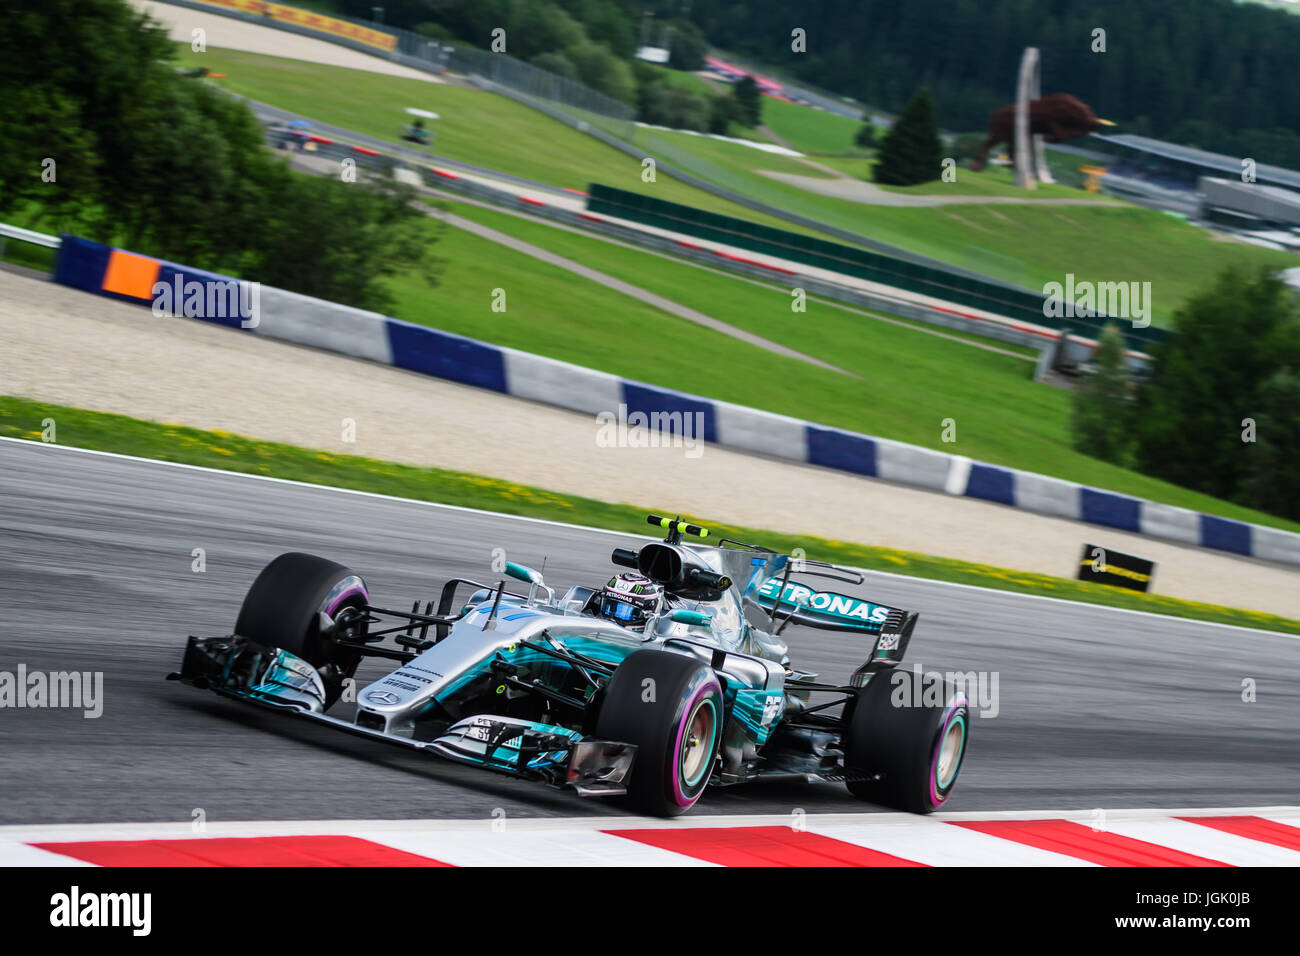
{"x":307,"y":321}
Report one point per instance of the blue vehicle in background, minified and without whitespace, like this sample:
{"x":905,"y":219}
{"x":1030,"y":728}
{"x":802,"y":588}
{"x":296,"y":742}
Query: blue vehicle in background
{"x":671,"y":678}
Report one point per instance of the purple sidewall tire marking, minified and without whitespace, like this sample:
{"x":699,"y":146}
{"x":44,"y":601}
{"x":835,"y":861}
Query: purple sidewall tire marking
{"x":954,"y":706}
{"x":338,"y":600}
{"x":679,"y":796}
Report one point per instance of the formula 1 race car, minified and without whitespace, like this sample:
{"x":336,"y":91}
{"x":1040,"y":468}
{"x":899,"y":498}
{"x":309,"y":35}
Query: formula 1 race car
{"x":670,"y":678}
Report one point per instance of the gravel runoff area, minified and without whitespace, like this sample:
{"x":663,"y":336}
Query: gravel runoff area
{"x":232,"y":34}
{"x":71,"y":348}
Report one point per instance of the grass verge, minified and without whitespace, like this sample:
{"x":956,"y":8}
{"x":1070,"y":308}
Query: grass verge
{"x":809,"y":130}
{"x":474,"y":126}
{"x":759,"y":307}
{"x":22,"y":418}
{"x":908,"y":382}
{"x":1036,"y":244}
{"x":27,"y":254}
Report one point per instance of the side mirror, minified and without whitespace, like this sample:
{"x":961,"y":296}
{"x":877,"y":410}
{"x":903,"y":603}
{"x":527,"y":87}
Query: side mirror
{"x":521,"y":573}
{"x":708,"y":579}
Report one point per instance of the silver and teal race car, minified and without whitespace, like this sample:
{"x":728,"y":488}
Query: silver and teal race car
{"x":671,"y":678}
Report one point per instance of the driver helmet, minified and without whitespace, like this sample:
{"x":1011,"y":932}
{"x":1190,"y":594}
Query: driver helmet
{"x":631,"y":599}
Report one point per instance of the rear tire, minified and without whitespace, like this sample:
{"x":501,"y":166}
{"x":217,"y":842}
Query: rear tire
{"x":917,"y":749}
{"x":282,"y":609}
{"x":675,"y":722}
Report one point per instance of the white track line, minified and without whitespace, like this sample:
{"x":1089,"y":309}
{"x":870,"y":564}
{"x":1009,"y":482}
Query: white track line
{"x":19,"y":854}
{"x":510,"y":847}
{"x":936,"y":843}
{"x":819,"y":822}
{"x":622,"y":534}
{"x":930,"y":840}
{"x":1206,"y":841}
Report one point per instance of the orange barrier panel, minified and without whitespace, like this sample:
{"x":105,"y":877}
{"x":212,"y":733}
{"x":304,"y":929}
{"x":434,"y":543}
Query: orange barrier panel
{"x":130,"y":274}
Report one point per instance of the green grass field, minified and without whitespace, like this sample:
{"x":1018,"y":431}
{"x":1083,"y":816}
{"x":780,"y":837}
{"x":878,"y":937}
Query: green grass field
{"x":803,"y":128}
{"x":21,"y":418}
{"x":744,"y":303}
{"x":995,"y":181}
{"x":474,"y":126}
{"x":689,"y":81}
{"x":811,"y":131}
{"x":907,"y":381}
{"x":857,"y":166}
{"x":1034,"y":244}
{"x":1276,"y":5}
{"x":728,"y":157}
{"x":26,"y":254}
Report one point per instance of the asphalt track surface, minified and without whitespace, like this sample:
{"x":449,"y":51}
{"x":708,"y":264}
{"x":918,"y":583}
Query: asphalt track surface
{"x":1097,"y":708}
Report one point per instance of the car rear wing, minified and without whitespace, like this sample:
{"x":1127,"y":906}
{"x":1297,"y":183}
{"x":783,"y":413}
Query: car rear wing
{"x":792,"y":602}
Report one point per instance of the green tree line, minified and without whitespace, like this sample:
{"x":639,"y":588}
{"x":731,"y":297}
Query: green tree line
{"x":103,"y":137}
{"x":1208,"y":73}
{"x":593,"y":42}
{"x":1220,"y":412}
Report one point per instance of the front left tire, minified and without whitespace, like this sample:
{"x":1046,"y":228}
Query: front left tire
{"x":671,"y":707}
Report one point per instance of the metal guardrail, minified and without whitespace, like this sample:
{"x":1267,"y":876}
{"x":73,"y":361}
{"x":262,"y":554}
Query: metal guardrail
{"x":27,"y":235}
{"x":539,"y":84}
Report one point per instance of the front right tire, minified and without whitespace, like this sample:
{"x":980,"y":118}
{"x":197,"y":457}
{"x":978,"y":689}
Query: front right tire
{"x":282,"y":610}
